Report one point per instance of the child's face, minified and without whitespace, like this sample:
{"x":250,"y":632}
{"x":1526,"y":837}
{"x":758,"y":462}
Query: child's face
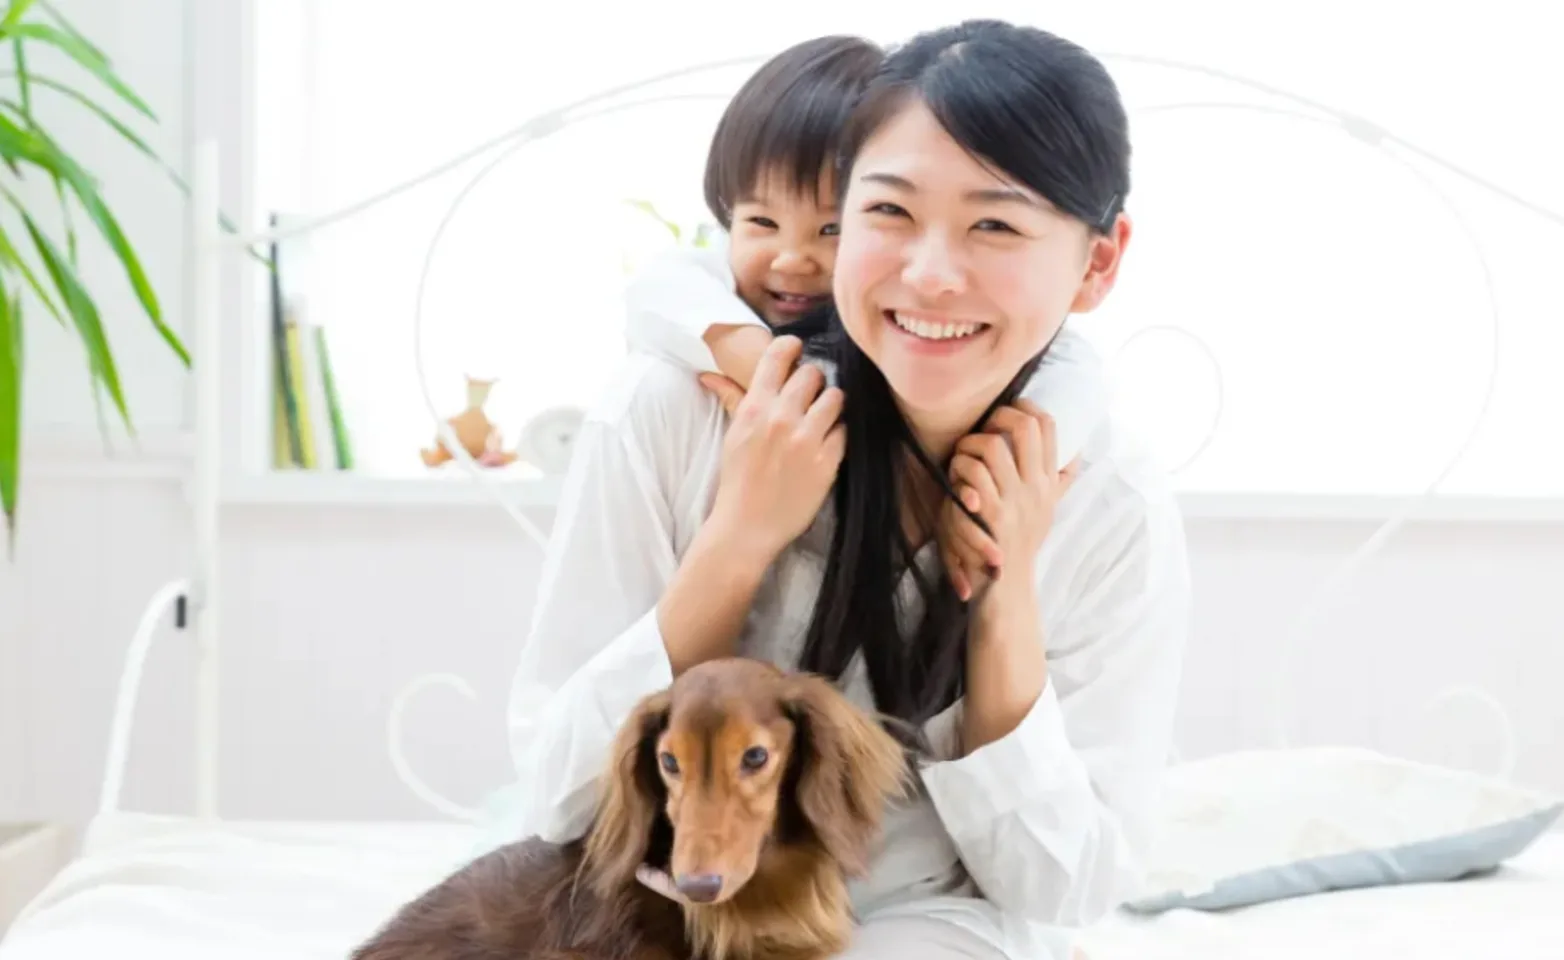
{"x":782,"y":248}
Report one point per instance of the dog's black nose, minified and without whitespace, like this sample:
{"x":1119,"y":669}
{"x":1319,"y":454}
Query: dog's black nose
{"x":699,"y":887}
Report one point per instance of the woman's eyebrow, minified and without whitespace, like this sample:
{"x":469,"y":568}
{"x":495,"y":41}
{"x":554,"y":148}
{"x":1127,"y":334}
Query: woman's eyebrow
{"x":1000,"y":195}
{"x":981,"y":195}
{"x":890,"y":180}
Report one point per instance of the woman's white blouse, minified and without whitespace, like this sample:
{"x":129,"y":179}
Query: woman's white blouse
{"x":1043,"y":828}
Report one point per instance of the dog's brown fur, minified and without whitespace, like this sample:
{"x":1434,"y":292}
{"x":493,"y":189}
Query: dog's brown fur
{"x":685,"y":793}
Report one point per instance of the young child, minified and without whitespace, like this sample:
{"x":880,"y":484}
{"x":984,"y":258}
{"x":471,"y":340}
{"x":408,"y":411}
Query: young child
{"x":768,"y":184}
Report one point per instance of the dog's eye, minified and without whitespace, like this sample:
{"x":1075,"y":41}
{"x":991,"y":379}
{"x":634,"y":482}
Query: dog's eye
{"x":670,"y":763}
{"x":754,"y":758}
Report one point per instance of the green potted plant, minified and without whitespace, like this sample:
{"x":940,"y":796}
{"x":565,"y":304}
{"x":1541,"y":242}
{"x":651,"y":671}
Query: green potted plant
{"x":40,"y":279}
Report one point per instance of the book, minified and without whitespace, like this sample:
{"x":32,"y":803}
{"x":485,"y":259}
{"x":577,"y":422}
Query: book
{"x":309,"y":427}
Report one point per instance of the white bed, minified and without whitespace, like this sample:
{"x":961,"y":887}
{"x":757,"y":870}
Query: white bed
{"x":177,"y":888}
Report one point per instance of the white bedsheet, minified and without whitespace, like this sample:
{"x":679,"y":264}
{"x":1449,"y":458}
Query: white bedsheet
{"x":173,"y":889}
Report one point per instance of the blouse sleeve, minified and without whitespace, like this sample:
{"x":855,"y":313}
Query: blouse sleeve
{"x":595,"y":648}
{"x":673,"y":301}
{"x":1052,"y":820}
{"x":1071,"y":385}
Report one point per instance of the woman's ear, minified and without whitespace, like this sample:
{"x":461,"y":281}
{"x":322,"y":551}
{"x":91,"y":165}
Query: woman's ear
{"x":631,"y":811}
{"x":1104,"y":253}
{"x":847,"y":770}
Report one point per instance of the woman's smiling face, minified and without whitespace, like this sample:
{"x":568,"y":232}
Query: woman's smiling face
{"x":950,"y":275}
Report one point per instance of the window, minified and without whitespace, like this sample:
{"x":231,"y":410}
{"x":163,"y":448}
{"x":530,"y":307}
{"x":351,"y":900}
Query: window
{"x":1323,"y":303}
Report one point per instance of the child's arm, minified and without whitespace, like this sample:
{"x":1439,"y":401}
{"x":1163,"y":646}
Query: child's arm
{"x":737,"y":350}
{"x":683,"y":307}
{"x":1071,"y":385}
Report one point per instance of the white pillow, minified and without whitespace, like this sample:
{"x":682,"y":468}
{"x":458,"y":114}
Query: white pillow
{"x":1251,"y":826}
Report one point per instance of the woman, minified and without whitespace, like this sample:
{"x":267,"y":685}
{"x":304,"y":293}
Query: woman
{"x":982,"y":190}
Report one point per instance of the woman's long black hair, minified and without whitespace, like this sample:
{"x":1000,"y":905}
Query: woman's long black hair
{"x":1046,"y":113}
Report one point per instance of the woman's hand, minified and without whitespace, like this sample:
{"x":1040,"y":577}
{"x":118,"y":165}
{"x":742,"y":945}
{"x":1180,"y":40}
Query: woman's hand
{"x":1006,"y":474}
{"x":780,"y":454}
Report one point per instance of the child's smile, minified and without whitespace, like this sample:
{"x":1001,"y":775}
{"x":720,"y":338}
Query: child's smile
{"x":796,"y":304}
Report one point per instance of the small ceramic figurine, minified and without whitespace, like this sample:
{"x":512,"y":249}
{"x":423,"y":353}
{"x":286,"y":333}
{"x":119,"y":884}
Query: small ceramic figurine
{"x":477,"y":434}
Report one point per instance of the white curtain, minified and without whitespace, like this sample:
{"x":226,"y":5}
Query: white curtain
{"x":1300,"y":312}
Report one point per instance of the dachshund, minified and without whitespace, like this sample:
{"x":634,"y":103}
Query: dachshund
{"x":757,"y":792}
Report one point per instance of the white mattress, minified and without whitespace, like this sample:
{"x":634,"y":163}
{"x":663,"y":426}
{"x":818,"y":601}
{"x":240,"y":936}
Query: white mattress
{"x":173,"y":889}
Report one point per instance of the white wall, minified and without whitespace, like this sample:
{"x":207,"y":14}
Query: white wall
{"x":330,"y":610}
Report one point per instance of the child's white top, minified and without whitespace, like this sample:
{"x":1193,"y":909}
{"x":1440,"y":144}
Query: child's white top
{"x":1043,"y":829}
{"x":674,"y":300}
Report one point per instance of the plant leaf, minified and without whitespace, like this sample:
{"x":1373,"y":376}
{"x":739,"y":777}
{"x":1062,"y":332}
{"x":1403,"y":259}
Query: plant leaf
{"x":22,"y":84}
{"x":118,"y":125}
{"x":84,"y":316}
{"x":114,"y":123}
{"x":11,"y":366}
{"x":14,"y":14}
{"x":42,"y":146}
{"x":10,"y":255}
{"x":33,"y":146}
{"x":89,"y":57}
{"x":17,"y":143}
{"x":109,"y":227}
{"x":65,"y":25}
{"x":71,"y":247}
{"x":134,"y":140}
{"x":37,"y":147}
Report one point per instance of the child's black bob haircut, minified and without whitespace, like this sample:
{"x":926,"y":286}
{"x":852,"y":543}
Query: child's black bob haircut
{"x":786,"y":120}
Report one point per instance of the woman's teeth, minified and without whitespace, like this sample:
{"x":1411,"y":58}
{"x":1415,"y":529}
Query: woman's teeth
{"x":935,"y":331}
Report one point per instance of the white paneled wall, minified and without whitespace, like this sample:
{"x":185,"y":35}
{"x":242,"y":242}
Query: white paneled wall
{"x":331,"y":610}
{"x":328,"y":611}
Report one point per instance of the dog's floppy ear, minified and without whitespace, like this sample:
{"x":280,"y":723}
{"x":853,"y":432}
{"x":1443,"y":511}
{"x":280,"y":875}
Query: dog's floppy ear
{"x":845,"y":767}
{"x":633,"y":795}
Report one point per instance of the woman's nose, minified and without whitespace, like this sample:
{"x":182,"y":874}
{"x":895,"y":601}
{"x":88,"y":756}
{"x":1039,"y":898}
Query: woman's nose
{"x":931,"y":269}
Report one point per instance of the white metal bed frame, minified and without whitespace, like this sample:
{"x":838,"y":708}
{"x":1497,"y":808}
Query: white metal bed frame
{"x":196,"y":599}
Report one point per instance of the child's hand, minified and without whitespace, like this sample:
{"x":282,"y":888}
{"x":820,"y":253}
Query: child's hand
{"x":737,"y":350}
{"x":1005,"y":474}
{"x":971,"y":556}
